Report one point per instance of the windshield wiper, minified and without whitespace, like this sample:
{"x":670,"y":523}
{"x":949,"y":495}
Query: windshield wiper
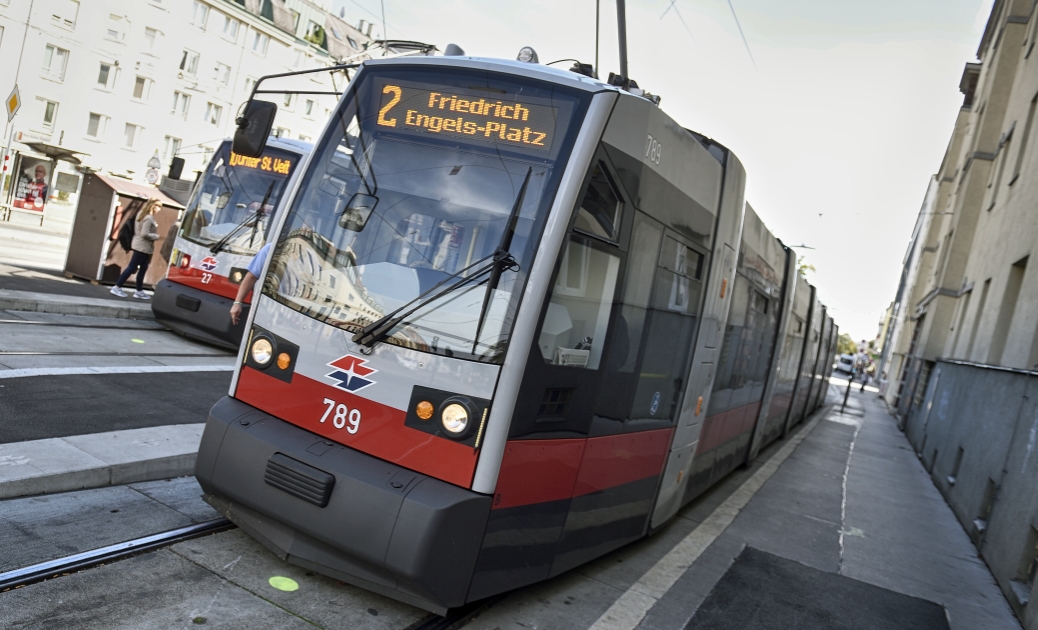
{"x":500,"y":261}
{"x":380,"y":328}
{"x":222,"y":243}
{"x":503,"y":260}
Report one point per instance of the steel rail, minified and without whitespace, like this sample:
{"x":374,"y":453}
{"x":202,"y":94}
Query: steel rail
{"x":157,"y":327}
{"x":84,"y":560}
{"x":455,"y":617}
{"x":19,"y":353}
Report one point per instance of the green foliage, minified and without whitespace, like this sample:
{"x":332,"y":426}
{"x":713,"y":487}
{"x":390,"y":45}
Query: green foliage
{"x":845,"y":345}
{"x":803,"y":266}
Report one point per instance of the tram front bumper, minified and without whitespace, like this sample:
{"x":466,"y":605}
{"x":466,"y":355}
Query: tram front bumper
{"x":195,"y":313}
{"x":384,"y":528}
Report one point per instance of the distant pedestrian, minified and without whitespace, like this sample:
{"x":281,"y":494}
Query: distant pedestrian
{"x":866,"y":375}
{"x":252,"y":274}
{"x":145,"y":233}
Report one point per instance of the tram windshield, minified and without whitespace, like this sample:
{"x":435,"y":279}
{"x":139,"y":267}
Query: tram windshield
{"x":423,"y":173}
{"x":233,"y":208}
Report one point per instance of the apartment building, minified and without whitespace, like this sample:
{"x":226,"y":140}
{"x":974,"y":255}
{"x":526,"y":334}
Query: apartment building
{"x":973,"y":294}
{"x":121,"y":86}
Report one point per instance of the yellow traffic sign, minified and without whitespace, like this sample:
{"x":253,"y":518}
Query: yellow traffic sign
{"x":14,"y":101}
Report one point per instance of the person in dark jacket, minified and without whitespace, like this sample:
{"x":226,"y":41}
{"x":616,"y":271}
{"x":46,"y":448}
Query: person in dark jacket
{"x":145,"y":233}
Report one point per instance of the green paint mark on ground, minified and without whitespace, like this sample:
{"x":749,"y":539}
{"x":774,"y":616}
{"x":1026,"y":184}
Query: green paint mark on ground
{"x":137,"y":340}
{"x":284,"y":584}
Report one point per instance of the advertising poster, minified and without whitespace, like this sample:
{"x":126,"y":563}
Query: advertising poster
{"x":32,"y":186}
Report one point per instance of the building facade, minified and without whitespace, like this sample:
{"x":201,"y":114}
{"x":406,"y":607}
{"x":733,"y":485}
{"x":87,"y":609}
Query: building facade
{"x":122,"y":87}
{"x":969,"y":295}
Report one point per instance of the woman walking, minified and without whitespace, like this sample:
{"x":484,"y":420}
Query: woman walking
{"x":145,"y":233}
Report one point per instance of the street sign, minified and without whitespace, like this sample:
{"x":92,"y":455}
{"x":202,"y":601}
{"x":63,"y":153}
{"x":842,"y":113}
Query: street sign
{"x":13,"y":102}
{"x":152,"y":175}
{"x":154,"y":162}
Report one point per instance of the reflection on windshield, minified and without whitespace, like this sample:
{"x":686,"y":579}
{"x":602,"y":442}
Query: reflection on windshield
{"x":234,"y":205}
{"x":384,"y":216}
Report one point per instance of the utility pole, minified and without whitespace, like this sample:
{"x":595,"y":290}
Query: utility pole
{"x":621,"y":28}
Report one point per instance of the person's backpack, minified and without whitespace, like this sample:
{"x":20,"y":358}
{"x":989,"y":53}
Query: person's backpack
{"x":126,"y":235}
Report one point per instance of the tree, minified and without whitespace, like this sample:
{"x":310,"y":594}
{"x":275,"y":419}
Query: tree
{"x":846,"y":345}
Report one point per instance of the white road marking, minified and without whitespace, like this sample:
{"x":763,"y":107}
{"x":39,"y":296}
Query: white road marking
{"x":140,"y":369}
{"x":629,"y":610}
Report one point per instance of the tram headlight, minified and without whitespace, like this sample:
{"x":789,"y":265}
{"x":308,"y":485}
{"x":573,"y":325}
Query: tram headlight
{"x":262,"y":351}
{"x":454,"y":417}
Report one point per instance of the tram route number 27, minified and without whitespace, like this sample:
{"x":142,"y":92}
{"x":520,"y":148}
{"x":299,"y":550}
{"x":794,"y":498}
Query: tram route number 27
{"x":653,"y":149}
{"x":206,"y":278}
{"x":341,"y":416}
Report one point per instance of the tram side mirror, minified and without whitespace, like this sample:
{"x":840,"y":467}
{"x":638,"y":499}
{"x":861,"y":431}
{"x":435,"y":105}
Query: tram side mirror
{"x":254,"y":125}
{"x":355,"y":214}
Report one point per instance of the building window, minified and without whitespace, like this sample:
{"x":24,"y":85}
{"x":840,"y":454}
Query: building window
{"x":213,"y":113}
{"x":281,"y":132}
{"x":152,"y":40}
{"x":304,"y":138}
{"x":222,"y":74}
{"x":131,"y":134}
{"x":142,"y":88}
{"x":50,"y":112}
{"x":250,"y":83}
{"x":96,"y":125}
{"x":200,"y":14}
{"x":295,"y":20}
{"x":116,"y":28}
{"x":106,"y":76}
{"x":288,"y":101}
{"x":64,"y":13}
{"x":308,"y":109}
{"x":230,"y":28}
{"x":180,"y":103}
{"x":352,"y":42}
{"x":170,"y":148}
{"x":260,"y":42}
{"x":189,"y":62}
{"x":54,"y":62}
{"x":207,"y":154}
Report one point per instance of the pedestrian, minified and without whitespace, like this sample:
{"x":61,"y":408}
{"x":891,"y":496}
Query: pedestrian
{"x":867,"y":374}
{"x":145,"y":233}
{"x":252,"y":273}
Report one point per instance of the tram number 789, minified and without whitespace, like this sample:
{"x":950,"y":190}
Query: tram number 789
{"x":653,"y":149}
{"x":342,"y":416}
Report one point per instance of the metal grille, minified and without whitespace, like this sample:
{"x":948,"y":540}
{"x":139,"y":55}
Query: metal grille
{"x":189,"y":303}
{"x":298,"y":479}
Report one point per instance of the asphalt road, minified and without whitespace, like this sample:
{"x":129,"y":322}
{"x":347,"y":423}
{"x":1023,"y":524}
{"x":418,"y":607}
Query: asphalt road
{"x":42,"y":407}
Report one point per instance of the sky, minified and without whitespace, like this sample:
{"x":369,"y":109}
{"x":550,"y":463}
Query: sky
{"x":840,"y":111}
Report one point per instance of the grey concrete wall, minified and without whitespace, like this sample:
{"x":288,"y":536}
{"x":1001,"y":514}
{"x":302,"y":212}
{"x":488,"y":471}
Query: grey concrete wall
{"x":991,"y":414}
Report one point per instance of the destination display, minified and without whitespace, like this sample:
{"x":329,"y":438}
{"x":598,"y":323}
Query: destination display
{"x":452,"y":112}
{"x":267,"y":163}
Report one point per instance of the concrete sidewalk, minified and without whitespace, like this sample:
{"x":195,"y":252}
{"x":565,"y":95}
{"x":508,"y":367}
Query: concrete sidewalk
{"x":41,"y":290}
{"x":851,"y":501}
{"x":100,"y":459}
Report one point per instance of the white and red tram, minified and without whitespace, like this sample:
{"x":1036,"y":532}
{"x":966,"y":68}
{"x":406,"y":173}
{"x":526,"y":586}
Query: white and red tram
{"x":227,"y":220}
{"x":515,"y":318}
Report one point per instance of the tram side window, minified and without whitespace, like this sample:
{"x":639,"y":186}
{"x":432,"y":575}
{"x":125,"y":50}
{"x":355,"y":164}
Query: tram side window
{"x":599,"y":213}
{"x":575,"y":326}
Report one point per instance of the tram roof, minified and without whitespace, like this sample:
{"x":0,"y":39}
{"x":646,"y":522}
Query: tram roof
{"x":287,"y":143}
{"x":508,"y":66}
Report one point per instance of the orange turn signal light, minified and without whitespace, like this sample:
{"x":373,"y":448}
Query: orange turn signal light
{"x":424,"y":410}
{"x":284,"y":360}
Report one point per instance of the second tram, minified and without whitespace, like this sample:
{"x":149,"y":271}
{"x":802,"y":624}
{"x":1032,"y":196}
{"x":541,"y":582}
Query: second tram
{"x":227,"y":220}
{"x":515,"y":318}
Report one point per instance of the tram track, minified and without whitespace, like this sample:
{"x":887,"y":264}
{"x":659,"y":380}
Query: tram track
{"x":156,"y":327}
{"x":35,"y":353}
{"x":110,"y":553}
{"x":60,"y":567}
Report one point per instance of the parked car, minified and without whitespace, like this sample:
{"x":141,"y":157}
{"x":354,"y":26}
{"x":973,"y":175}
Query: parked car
{"x":845,"y":363}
